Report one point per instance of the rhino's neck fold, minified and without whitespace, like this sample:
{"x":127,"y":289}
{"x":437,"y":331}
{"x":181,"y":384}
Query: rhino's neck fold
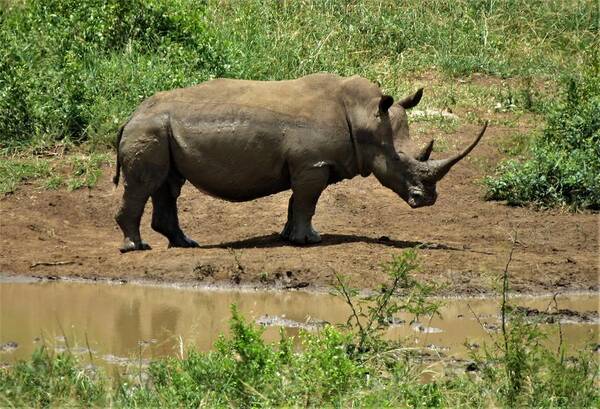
{"x":383,"y":173}
{"x":361,"y":167}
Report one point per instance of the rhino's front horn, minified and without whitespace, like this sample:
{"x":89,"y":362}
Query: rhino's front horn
{"x":439,"y":168}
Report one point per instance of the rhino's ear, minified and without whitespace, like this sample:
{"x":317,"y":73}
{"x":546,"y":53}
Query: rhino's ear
{"x":412,"y":100}
{"x":385,"y":103}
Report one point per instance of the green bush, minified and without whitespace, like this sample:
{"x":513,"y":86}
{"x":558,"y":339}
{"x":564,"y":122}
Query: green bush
{"x":74,"y":70}
{"x":520,"y":371}
{"x":564,"y":164}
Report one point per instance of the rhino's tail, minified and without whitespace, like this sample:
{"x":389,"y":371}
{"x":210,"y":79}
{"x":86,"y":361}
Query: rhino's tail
{"x":118,"y":171}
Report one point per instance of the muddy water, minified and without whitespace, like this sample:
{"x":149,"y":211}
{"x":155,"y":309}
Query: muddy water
{"x":121,"y":322}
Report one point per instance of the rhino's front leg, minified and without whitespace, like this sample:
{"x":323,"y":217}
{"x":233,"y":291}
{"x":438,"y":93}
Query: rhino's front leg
{"x":306,"y":187}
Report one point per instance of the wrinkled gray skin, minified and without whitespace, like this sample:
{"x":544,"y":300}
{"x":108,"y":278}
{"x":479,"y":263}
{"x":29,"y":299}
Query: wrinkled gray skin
{"x":240,"y":140}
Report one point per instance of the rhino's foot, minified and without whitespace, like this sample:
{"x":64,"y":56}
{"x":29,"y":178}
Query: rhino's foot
{"x":183,"y":242}
{"x":302,"y":235}
{"x":286,"y":232}
{"x":129,"y":245}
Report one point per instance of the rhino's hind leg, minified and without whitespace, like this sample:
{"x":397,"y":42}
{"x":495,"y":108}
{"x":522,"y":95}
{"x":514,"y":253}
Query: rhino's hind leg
{"x":164,"y":213}
{"x":306,"y":188}
{"x":287,"y":229}
{"x":129,"y":216}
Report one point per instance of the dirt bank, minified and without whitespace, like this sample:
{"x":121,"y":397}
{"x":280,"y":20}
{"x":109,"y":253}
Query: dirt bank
{"x":464,"y":240}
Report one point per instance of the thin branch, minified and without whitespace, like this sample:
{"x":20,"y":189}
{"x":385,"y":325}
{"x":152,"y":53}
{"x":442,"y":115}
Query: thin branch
{"x":386,"y":297}
{"x":87,"y":343}
{"x":348,"y":300}
{"x":140,"y":367}
{"x":505,"y":288}
{"x":482,"y":326}
{"x":559,"y":350}
{"x":504,"y":294}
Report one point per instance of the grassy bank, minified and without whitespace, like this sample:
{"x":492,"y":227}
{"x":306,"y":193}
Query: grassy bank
{"x":72,"y":71}
{"x":349,"y":365}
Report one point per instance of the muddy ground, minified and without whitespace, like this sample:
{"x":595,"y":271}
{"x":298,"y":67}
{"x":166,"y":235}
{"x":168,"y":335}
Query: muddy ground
{"x":464,"y":240}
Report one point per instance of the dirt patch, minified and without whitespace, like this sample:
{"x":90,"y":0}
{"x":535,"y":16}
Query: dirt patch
{"x":562,"y":315}
{"x":463,"y":240}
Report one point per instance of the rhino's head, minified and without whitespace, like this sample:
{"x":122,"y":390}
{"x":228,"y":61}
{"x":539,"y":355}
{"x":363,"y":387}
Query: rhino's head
{"x":415,"y":179}
{"x":380,"y":131}
{"x":403,"y":167}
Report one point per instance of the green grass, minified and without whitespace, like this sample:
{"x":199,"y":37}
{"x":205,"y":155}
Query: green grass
{"x":86,"y":169}
{"x":15,"y":171}
{"x":74,"y":70}
{"x":76,"y":171}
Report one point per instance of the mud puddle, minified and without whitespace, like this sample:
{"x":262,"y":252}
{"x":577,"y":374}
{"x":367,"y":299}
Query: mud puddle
{"x":119,"y":324}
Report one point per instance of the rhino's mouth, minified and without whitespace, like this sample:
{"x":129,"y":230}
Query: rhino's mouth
{"x":417,"y":199}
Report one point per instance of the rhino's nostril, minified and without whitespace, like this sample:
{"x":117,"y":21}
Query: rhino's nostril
{"x":417,"y":196}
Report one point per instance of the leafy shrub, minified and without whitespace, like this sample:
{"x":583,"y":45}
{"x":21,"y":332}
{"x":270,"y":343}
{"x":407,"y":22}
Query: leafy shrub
{"x":520,"y":371}
{"x":371,"y":315}
{"x":564,"y":168}
{"x":74,"y":70}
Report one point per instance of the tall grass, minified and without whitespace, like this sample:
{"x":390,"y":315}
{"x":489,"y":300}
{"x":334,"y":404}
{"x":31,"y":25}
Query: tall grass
{"x":73,"y":70}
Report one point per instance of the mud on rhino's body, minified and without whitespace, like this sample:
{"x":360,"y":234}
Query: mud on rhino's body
{"x":240,"y":140}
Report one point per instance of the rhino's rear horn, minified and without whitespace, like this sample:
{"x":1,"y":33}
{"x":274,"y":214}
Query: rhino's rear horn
{"x":425,"y":152}
{"x":439,"y":168}
{"x":412,"y":100}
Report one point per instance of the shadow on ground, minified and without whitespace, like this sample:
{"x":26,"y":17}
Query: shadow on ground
{"x":275,"y":240}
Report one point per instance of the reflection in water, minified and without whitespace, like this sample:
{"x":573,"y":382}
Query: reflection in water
{"x":128,"y":326}
{"x":126,"y":320}
{"x":163,"y":326}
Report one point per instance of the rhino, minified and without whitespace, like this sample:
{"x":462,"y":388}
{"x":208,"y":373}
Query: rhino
{"x":239,"y":140}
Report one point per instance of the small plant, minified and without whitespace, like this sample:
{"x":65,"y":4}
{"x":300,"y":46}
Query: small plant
{"x":17,"y":170}
{"x":564,"y":163}
{"x":49,"y":379}
{"x":86,"y":170}
{"x":520,"y":371}
{"x":371,"y":315}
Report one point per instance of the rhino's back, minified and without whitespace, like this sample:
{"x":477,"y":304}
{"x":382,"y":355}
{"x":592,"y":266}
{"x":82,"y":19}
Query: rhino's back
{"x":315,"y":98}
